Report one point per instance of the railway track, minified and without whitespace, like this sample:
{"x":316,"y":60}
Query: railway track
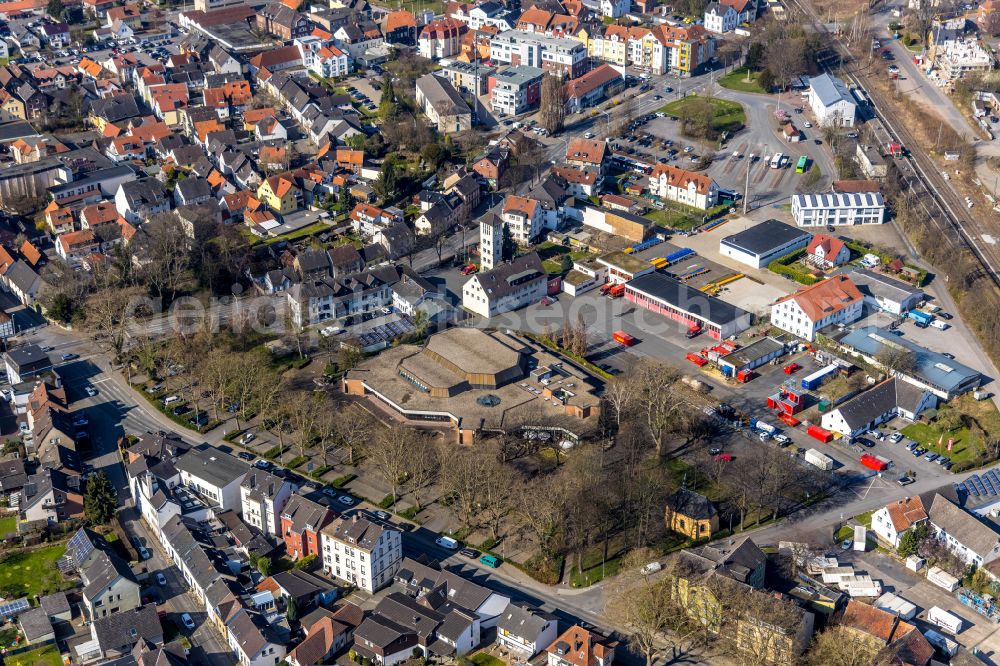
{"x":930,"y":192}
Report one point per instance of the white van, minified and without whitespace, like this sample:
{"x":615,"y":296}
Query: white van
{"x":447,"y":542}
{"x":938,"y":324}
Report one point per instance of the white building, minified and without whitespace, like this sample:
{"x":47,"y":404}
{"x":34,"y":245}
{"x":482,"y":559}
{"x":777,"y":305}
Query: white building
{"x":893,"y":520}
{"x":214,"y":476}
{"x":364,"y":553}
{"x":615,"y":8}
{"x":879,"y":404}
{"x":832,"y":301}
{"x":720,"y":18}
{"x":507,"y":287}
{"x":971,"y":539}
{"x":490,"y":242}
{"x":838,"y":209}
{"x":523,"y":216}
{"x":763,"y":243}
{"x":525,"y":630}
{"x":831,"y":101}
{"x":324,"y":60}
{"x":685,"y":187}
{"x":263,"y":496}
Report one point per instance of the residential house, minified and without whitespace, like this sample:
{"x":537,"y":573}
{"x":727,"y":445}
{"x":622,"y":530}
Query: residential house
{"x":362,"y":552}
{"x":526,"y":630}
{"x":441,"y":39}
{"x":400,"y":27}
{"x":585,"y":153}
{"x":302,"y":521}
{"x":109,"y":587}
{"x":263,"y":497}
{"x":685,"y":187}
{"x":507,"y":287}
{"x":400,"y":626}
{"x":118,"y":635}
{"x":312,"y":264}
{"x":831,"y":102}
{"x":51,"y":495}
{"x":883,"y":402}
{"x":893,"y":520}
{"x":423,"y":578}
{"x":214,"y":476}
{"x":592,"y":88}
{"x":75,"y":245}
{"x":282,"y":21}
{"x":827,"y":252}
{"x":327,"y":636}
{"x":139,"y":200}
{"x":491,"y":166}
{"x":888,"y":636}
{"x":580,"y":647}
{"x":835,"y":300}
{"x":345,"y":260}
{"x":975,"y":541}
{"x":192,"y":191}
{"x":720,"y":18}
{"x":253,"y":641}
{"x":320,"y":300}
{"x":691,"y":515}
{"x":280,"y":193}
{"x":523,"y":217}
{"x":59,"y":220}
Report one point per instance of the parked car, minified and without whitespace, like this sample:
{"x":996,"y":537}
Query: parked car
{"x":346,"y":500}
{"x":247,"y":438}
{"x":170,"y":399}
{"x":895,"y":437}
{"x":470,"y":553}
{"x":447,"y":542}
{"x":161,"y":580}
{"x":243,"y":455}
{"x":187,"y":621}
{"x":143,"y":553}
{"x":904,"y":480}
{"x":931,"y":457}
{"x":70,"y":357}
{"x":91,"y":391}
{"x":381,"y":515}
{"x":262,"y":464}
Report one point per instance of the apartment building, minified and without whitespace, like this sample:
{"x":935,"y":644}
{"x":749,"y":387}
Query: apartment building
{"x":507,"y":287}
{"x":328,"y":298}
{"x":362,"y":552}
{"x":562,"y":56}
{"x":685,"y":187}
{"x":835,"y":300}
{"x":516,"y":90}
{"x":838,"y":209}
{"x":262,"y":498}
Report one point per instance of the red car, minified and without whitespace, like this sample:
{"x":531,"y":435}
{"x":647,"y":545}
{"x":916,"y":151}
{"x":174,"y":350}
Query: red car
{"x":791,"y":367}
{"x":469,"y":270}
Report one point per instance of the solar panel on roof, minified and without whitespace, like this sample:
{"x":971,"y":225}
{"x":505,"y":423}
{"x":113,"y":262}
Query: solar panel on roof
{"x":969,"y":486}
{"x":988,"y":485}
{"x":79,"y":547}
{"x":14,"y":608}
{"x":980,"y":487}
{"x":995,"y":477}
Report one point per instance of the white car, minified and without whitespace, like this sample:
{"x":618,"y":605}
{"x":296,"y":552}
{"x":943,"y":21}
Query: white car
{"x":143,"y":553}
{"x":170,"y":399}
{"x":588,"y":135}
{"x":161,"y":580}
{"x":91,"y":391}
{"x":247,"y":438}
{"x":345,"y":499}
{"x":187,"y":621}
{"x":807,"y":124}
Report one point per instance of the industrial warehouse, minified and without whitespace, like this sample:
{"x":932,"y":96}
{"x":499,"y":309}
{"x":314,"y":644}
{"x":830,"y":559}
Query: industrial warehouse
{"x":675,"y":300}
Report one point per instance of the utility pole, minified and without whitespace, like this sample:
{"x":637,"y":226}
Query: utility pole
{"x":746,"y":187}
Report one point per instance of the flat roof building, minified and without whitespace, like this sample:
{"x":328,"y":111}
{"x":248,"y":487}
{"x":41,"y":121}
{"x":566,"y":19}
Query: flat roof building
{"x":469,"y":379}
{"x":763,"y":243}
{"x":884,"y":292}
{"x":675,"y":300}
{"x":820,"y":210}
{"x":623,"y":267}
{"x":942,"y":376}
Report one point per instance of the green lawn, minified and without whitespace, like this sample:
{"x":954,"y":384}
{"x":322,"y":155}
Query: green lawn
{"x":24,"y":574}
{"x":311,"y":230}
{"x":591,"y":565}
{"x":927,"y":436}
{"x":737,"y":80}
{"x":675,"y":217}
{"x":864,"y":518}
{"x":726,"y":115}
{"x":483,"y":659}
{"x":47,"y":655}
{"x":8,"y":524}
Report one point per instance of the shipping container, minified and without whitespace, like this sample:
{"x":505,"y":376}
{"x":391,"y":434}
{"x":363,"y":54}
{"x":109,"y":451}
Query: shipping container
{"x":744,"y":376}
{"x":624,"y":338}
{"x":942,"y":618}
{"x":822,"y":435}
{"x":942,"y":579}
{"x":788,"y":419}
{"x":815,"y":379}
{"x":897,"y":605}
{"x":696,"y":359}
{"x":871,"y":462}
{"x":941,"y":642}
{"x":818,"y":459}
{"x":860,"y":538}
{"x":920,"y":317}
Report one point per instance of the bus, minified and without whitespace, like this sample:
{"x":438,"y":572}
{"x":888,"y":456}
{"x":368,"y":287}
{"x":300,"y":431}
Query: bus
{"x":800,"y":167}
{"x":777,"y":160}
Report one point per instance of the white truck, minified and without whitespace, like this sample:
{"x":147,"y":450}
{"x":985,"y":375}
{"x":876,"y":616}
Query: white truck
{"x":947,"y":621}
{"x":940,"y":325}
{"x":821,"y":460}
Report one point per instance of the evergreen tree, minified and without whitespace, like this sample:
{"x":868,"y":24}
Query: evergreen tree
{"x":100,"y":499}
{"x":508,"y":248}
{"x":388,"y":105}
{"x":388,"y":180}
{"x":292,"y":613}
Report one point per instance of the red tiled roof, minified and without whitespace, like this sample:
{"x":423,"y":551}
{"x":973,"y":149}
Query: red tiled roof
{"x":826,"y":298}
{"x":682,"y":177}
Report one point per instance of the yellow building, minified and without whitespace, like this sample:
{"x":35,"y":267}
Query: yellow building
{"x":279,"y":193}
{"x":691,"y":514}
{"x":11,"y":104}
